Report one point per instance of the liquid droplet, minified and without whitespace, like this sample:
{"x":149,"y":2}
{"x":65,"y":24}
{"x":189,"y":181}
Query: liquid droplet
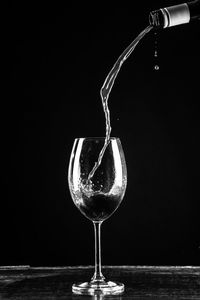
{"x":156,"y":65}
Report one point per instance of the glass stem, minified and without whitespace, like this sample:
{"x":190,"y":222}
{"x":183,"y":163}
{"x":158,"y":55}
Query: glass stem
{"x":98,"y":276}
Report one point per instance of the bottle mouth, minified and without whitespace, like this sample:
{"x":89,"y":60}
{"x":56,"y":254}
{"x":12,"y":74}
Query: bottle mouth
{"x":151,"y":18}
{"x":155,"y":18}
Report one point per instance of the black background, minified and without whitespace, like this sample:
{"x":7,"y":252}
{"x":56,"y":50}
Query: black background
{"x":55,"y":58}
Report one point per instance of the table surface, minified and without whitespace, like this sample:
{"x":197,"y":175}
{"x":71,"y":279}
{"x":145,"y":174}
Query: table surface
{"x":141,"y":282}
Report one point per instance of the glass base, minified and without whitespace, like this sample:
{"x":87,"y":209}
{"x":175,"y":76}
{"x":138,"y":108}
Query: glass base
{"x":98,"y":287}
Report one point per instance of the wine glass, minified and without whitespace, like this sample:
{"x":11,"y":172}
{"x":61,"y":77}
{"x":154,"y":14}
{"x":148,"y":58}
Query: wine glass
{"x":97,"y":197}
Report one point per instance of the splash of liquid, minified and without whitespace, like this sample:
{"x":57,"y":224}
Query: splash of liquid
{"x":106,"y":89}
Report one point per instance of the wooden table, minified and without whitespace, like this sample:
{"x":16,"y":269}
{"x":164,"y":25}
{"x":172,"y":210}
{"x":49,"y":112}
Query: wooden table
{"x":141,"y":282}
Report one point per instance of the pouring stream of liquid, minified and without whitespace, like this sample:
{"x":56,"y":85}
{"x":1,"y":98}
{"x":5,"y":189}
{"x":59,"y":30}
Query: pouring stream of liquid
{"x":106,"y":89}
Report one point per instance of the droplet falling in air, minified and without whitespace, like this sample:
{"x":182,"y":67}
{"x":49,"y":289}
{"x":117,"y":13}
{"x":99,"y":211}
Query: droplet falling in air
{"x":156,"y":66}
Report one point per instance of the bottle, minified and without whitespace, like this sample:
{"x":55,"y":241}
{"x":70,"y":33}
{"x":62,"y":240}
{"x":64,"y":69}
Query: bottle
{"x":175,"y":15}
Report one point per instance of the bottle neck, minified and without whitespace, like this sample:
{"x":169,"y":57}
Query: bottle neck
{"x":175,"y":15}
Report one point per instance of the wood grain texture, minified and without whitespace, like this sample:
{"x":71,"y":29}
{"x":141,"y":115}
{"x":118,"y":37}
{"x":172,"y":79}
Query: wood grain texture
{"x":141,"y":282}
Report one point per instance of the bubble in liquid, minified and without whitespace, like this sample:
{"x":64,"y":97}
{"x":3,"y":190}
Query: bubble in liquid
{"x":156,"y":67}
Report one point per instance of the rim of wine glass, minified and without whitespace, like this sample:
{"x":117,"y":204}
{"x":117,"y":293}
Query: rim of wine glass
{"x":97,"y":137}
